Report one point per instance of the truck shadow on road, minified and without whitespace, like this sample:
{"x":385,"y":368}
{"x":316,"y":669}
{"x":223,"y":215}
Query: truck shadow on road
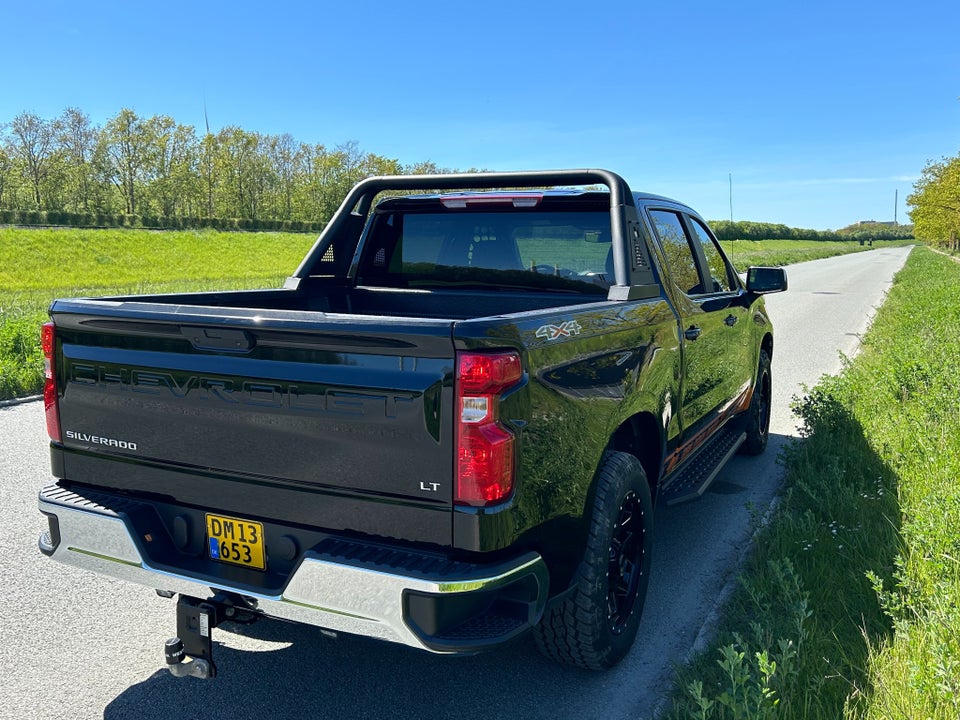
{"x":309,"y":675}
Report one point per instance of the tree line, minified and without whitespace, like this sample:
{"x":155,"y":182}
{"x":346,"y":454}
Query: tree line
{"x":746,"y":230}
{"x":936,"y":203}
{"x":68,"y":169}
{"x":155,"y":172}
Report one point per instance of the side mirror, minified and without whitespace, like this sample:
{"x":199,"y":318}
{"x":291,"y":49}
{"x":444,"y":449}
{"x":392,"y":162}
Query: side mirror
{"x":763,"y":280}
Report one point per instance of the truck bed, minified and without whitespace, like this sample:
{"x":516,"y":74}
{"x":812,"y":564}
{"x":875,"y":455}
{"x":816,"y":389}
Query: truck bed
{"x":316,"y":297}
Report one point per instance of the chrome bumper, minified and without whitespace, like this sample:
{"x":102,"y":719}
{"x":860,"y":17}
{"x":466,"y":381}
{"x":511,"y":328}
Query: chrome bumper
{"x":331,"y":595}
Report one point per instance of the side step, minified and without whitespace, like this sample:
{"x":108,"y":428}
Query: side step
{"x":698,"y":472}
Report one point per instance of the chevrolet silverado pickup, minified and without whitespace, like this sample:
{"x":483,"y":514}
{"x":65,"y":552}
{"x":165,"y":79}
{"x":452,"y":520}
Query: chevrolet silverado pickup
{"x":450,"y":426}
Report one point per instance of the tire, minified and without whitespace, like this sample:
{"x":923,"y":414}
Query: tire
{"x":758,"y":416}
{"x":595,"y":625}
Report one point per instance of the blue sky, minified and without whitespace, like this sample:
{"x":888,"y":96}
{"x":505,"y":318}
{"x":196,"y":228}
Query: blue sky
{"x":820,"y":111}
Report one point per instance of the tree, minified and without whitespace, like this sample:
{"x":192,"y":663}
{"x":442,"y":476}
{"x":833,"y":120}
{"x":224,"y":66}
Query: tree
{"x":237,"y":161}
{"x":936,"y":203}
{"x":173,"y":175}
{"x":33,"y":142}
{"x":77,"y":140}
{"x":209,"y":177}
{"x":426,"y":167}
{"x":314,"y":192}
{"x":287,"y":158}
{"x":129,"y":151}
{"x":146,"y":166}
{"x":6,"y":168}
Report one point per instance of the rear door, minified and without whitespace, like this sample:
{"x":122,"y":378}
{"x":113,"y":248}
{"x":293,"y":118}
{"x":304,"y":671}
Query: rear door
{"x":712,"y":322}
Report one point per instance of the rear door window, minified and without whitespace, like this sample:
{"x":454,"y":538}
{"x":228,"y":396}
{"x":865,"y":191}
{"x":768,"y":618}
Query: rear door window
{"x":679,"y":255}
{"x":720,"y":273}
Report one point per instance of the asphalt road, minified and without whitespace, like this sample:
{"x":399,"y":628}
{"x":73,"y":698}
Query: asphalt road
{"x":76,"y":645}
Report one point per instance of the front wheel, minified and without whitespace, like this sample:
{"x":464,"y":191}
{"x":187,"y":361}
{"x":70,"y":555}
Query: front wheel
{"x":758,"y":416}
{"x":594,"y":627}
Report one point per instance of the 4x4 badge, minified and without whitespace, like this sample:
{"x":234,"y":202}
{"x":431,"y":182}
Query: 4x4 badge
{"x":552,"y":332}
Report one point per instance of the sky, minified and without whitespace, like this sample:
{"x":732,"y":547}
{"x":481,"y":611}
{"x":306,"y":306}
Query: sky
{"x":815,"y":114}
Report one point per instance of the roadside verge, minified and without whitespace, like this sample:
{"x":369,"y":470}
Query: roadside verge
{"x":847,"y":605}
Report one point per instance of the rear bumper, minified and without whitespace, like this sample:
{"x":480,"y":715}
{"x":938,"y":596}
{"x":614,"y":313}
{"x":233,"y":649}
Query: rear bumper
{"x":394,"y":595}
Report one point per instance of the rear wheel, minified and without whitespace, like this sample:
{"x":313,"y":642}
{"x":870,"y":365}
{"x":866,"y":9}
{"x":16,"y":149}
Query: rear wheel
{"x":595,"y":626}
{"x":758,"y":416}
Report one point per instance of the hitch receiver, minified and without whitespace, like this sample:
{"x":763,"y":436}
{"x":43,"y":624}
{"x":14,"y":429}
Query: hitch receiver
{"x":190,"y":654}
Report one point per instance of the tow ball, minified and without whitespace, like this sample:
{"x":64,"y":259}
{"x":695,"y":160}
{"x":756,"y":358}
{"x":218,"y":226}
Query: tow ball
{"x":190,"y":654}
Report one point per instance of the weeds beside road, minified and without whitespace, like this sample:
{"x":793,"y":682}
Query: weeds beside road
{"x":850,"y":603}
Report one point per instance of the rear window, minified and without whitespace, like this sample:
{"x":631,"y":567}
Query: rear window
{"x":549,"y":249}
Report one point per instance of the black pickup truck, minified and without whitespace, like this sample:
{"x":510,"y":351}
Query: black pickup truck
{"x":451,"y":425}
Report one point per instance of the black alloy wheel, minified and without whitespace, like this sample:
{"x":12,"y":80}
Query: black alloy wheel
{"x":595,"y":624}
{"x":626,"y":562}
{"x":758,"y":416}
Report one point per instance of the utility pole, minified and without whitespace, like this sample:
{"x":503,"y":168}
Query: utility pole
{"x":731,"y":196}
{"x":896,"y":193}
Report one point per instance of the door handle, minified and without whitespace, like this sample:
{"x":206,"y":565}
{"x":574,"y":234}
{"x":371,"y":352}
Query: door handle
{"x":730,"y":320}
{"x":692,"y":333}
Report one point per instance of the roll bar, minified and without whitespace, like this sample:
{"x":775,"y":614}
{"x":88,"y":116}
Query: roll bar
{"x":359,"y":200}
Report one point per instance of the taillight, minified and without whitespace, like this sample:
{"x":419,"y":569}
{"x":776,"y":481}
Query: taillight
{"x":48,"y":342}
{"x":485,"y":448}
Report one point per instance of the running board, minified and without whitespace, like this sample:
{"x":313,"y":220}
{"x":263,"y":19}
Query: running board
{"x":697,"y":474}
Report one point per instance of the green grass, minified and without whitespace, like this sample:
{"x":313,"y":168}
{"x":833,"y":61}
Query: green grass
{"x":39,"y":265}
{"x":51,"y":261}
{"x":850,"y":603}
{"x":744,"y":253}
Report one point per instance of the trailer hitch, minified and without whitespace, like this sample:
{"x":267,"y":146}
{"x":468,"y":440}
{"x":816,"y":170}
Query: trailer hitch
{"x":190,"y":654}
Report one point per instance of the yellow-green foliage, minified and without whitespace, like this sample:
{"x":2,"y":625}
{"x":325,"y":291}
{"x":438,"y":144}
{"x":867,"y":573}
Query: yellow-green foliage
{"x":936,"y":203}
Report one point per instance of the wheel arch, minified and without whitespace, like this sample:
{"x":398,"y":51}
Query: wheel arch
{"x":642,"y":436}
{"x":767,"y":344}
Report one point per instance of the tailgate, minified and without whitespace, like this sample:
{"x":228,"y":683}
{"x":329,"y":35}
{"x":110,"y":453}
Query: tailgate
{"x":335,"y":422}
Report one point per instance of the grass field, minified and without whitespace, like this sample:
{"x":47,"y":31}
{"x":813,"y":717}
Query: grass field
{"x":38,"y":265}
{"x":850,"y":604}
{"x":745,"y":253}
{"x":54,"y":261}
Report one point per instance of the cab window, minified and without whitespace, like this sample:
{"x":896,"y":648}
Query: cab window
{"x":720,"y":279}
{"x":677,"y":251}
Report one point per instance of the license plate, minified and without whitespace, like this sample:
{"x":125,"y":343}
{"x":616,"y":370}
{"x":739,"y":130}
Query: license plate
{"x":236,"y":541}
